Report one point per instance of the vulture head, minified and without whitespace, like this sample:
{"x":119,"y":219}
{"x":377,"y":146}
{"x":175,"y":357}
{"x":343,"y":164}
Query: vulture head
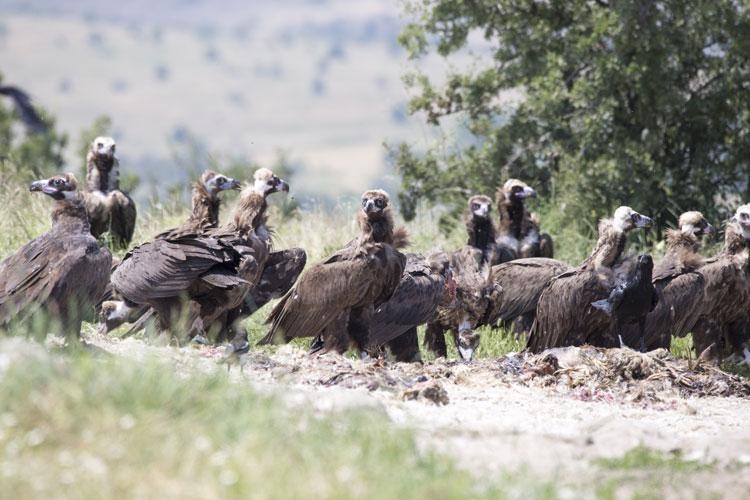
{"x":516,"y":190}
{"x":694,"y":223}
{"x":103,"y":147}
{"x":59,"y":187}
{"x":479,"y":206}
{"x":627,"y":219}
{"x":214,"y":182}
{"x":742,"y":217}
{"x":266,"y":182}
{"x":375,"y":204}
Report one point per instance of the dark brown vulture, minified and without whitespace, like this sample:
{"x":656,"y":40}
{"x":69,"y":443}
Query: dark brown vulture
{"x":630,"y":301}
{"x":679,"y":286}
{"x":564,"y":314}
{"x":25,"y":109}
{"x":522,"y":282}
{"x":336,"y":299}
{"x":726,"y":290}
{"x":110,"y":209}
{"x":425,"y":284}
{"x":475,"y":292}
{"x":59,"y":276}
{"x":203,"y":217}
{"x":481,"y":229}
{"x":518,"y":230}
{"x":201,"y":276}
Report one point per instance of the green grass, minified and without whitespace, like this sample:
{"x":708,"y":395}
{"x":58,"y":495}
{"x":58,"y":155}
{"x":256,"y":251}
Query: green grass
{"x":644,"y":458}
{"x":82,"y":427}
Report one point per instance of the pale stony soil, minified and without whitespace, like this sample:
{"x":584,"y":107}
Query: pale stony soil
{"x":496,"y":423}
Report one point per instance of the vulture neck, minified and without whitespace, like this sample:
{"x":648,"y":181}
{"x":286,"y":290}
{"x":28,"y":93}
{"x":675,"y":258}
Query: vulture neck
{"x":379,"y":230}
{"x":678,"y":240}
{"x":516,"y":211}
{"x":250,"y":212}
{"x":102,"y":175}
{"x":609,"y":246}
{"x":205,"y":214}
{"x":71,"y":214}
{"x":734,"y":242}
{"x":481,"y":232}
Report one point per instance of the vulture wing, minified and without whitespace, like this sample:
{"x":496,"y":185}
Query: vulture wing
{"x":414,"y":302}
{"x":165,"y":268}
{"x":522,"y":282}
{"x":25,"y":109}
{"x":122,"y":218}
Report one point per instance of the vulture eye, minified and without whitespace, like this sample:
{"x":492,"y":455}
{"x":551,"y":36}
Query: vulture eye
{"x":635,"y":217}
{"x":99,"y":145}
{"x":221,"y":180}
{"x":475,"y":206}
{"x":364,"y":202}
{"x":58,"y":182}
{"x":379,"y":203}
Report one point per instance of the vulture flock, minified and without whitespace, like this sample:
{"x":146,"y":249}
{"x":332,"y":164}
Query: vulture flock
{"x":197,"y":282}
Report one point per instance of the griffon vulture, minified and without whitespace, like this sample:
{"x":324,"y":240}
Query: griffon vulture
{"x":518,"y":231}
{"x":679,"y":286}
{"x":109,"y":208}
{"x":336,"y":298}
{"x":564,"y":314}
{"x":59,"y":276}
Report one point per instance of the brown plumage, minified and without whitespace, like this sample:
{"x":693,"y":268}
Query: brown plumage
{"x":726,"y":290}
{"x":109,"y":208}
{"x":59,"y":276}
{"x":679,"y":287}
{"x":210,"y":272}
{"x":518,"y":230}
{"x":522,"y":282}
{"x":474,"y":294}
{"x":481,"y":229}
{"x":564,"y":314}
{"x":425,"y":284}
{"x":336,"y":299}
{"x":204,"y":216}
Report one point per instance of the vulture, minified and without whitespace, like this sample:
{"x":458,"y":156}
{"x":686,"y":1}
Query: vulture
{"x":518,"y":231}
{"x":679,"y":286}
{"x":726,"y":289}
{"x":203,"y":217}
{"x":426,"y":284}
{"x":481,"y":229}
{"x":522,"y":282}
{"x":25,"y":109}
{"x":109,"y":208}
{"x":631,"y":301}
{"x":335,"y":299}
{"x":475,"y":292}
{"x":201,"y":276}
{"x":59,"y":276}
{"x":564,"y":314}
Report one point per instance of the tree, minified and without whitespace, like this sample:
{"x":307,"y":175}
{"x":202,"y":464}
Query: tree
{"x":643,"y":102}
{"x":28,"y":155}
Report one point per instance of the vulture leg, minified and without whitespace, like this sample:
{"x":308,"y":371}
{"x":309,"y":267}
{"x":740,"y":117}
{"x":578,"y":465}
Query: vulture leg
{"x":434,"y":340}
{"x":642,"y":334}
{"x":546,"y":247}
{"x":122,"y":218}
{"x":334,"y":337}
{"x":405,"y":347}
{"x":359,"y":327}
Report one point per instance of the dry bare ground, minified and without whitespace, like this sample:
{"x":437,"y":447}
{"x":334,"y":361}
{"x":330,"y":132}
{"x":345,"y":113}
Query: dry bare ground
{"x":554,"y":416}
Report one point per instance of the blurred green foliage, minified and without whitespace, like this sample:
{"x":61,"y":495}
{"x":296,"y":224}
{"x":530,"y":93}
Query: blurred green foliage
{"x":636,"y":103}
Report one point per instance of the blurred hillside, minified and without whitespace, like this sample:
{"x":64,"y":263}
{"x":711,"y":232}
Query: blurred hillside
{"x":317,"y":79}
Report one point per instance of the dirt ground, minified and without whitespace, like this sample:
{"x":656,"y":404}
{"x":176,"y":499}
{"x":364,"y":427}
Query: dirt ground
{"x":550,"y":417}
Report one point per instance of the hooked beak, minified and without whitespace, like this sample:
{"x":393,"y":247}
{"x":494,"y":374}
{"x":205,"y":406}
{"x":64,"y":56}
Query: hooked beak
{"x":43,"y":186}
{"x":644,"y":222}
{"x":482,"y":212}
{"x":468,"y":340}
{"x":709,"y":229}
{"x":528,"y":192}
{"x":282,"y":186}
{"x":231,"y":184}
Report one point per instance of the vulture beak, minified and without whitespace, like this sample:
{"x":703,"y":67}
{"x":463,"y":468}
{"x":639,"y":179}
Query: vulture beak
{"x":43,"y":186}
{"x":230,"y":184}
{"x":709,"y":229}
{"x":482,"y":211}
{"x":643,"y":221}
{"x":370,"y":207}
{"x":282,"y":186}
{"x":468,"y":340}
{"x":528,"y":192}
